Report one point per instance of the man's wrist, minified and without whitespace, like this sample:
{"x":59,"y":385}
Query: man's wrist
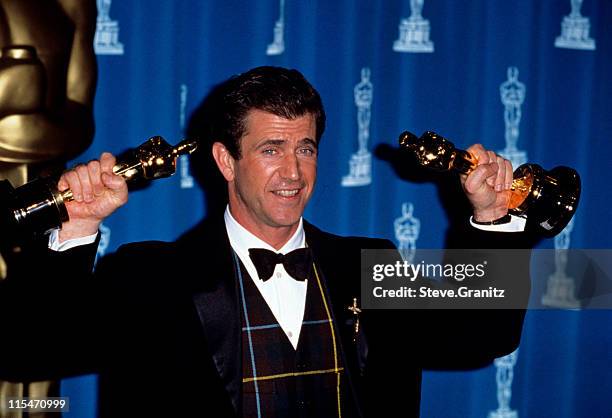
{"x":71,"y":230}
{"x":55,"y":245}
{"x":488,"y":216}
{"x":516,"y":224}
{"x":499,"y":221}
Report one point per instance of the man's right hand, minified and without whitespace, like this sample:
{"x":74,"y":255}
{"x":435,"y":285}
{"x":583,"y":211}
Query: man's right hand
{"x":97,"y":192}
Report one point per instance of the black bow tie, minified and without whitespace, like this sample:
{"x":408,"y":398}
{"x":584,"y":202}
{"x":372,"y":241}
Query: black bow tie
{"x":297,"y":262}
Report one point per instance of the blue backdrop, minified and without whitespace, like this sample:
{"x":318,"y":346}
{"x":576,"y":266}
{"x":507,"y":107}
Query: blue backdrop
{"x":531,"y":78}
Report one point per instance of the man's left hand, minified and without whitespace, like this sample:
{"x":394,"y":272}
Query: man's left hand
{"x":488,"y":186}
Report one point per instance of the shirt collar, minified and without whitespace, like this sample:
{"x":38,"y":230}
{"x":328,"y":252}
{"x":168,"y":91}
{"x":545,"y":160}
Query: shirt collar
{"x":241,"y":239}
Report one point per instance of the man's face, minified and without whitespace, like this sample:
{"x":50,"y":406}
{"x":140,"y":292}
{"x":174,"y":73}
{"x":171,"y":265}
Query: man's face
{"x":275,"y":177}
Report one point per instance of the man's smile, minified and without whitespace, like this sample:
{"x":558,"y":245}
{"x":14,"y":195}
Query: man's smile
{"x":288,"y":193}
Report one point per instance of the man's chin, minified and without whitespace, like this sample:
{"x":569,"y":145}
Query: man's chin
{"x":286,"y":221}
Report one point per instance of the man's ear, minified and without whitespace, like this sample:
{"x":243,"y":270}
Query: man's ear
{"x":225,"y":161}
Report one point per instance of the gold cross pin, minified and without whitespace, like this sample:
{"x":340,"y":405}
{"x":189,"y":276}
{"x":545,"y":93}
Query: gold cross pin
{"x":356,"y":310}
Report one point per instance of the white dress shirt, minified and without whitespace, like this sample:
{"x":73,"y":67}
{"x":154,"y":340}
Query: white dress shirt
{"x":285,"y":296}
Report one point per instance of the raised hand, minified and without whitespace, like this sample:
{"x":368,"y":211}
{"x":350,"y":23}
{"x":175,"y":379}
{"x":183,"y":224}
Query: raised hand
{"x":488,"y":186}
{"x":97,"y":193}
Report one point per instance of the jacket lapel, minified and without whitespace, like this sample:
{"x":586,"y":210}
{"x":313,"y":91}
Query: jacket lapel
{"x":339,"y":264}
{"x":214,"y":296}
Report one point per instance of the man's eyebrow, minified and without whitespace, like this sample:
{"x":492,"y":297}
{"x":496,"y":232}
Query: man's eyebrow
{"x":277,"y":142}
{"x":309,"y":142}
{"x":269,"y":142}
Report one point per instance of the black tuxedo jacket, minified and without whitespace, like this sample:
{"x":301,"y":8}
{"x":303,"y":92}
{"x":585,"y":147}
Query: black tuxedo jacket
{"x":159,"y":322}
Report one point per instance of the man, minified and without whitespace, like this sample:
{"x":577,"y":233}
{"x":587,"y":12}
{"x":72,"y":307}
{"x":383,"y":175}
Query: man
{"x":214,"y":324}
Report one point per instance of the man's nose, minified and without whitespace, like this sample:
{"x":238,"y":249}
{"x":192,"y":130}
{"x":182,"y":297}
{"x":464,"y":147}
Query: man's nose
{"x":290,"y":168}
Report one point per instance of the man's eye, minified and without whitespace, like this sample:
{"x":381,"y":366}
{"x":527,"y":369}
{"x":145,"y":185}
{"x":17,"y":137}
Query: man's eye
{"x":307,"y":151}
{"x":269,"y":151}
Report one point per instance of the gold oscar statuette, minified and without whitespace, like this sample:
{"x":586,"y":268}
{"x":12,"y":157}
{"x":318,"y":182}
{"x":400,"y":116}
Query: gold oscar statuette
{"x":38,"y":206}
{"x":547,"y":198}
